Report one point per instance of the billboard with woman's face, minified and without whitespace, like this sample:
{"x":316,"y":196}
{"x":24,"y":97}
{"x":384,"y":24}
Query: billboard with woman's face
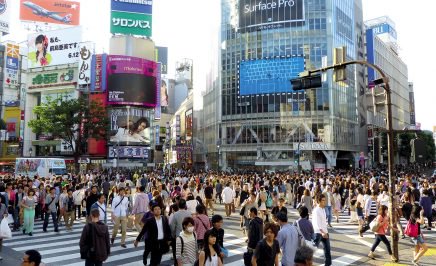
{"x":130,"y":126}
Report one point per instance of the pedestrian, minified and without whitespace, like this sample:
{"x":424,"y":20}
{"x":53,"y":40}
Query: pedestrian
{"x":288,"y":239}
{"x":319,"y":222}
{"x":303,"y":223}
{"x":217,"y":228}
{"x":209,"y":255}
{"x":101,"y":206}
{"x":420,"y":248}
{"x":426,"y":204}
{"x":228,"y":195}
{"x":370,"y":211}
{"x":119,"y":216}
{"x":31,"y":257}
{"x":51,"y":202}
{"x":337,"y":207}
{"x":140,"y":207}
{"x":330,"y":203}
{"x":28,"y":203}
{"x":208,"y":194}
{"x":279,"y":208}
{"x":78,"y":197}
{"x":3,"y":215}
{"x":94,"y":241}
{"x":267,"y":250}
{"x":306,"y":200}
{"x":218,"y":190}
{"x":202,"y":224}
{"x":68,"y":203}
{"x":158,"y":235}
{"x":176,"y":224}
{"x":91,"y":199}
{"x":186,"y":244}
{"x":303,"y":256}
{"x":380,"y":234}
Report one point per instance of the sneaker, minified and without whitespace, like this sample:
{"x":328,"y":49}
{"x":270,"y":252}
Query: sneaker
{"x":44,"y":230}
{"x":415,"y":263}
{"x":123,"y":246}
{"x":371,"y":255}
{"x":30,"y":234}
{"x":428,"y":228}
{"x":56,"y":231}
{"x":24,"y":231}
{"x":112,"y":240}
{"x":393,"y":259}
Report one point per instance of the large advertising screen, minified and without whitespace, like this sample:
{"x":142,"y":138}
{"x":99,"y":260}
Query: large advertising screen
{"x":131,"y":81}
{"x":51,"y":11}
{"x":56,"y":47}
{"x":263,"y":76}
{"x":130,"y":126}
{"x":269,"y":14}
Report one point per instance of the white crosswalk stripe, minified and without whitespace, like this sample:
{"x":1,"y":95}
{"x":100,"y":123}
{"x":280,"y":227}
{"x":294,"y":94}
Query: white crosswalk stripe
{"x":62,"y":248}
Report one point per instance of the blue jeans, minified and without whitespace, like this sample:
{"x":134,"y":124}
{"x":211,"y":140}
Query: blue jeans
{"x":381,"y":238}
{"x":54,"y":218}
{"x":326,"y":247}
{"x":328,"y":212}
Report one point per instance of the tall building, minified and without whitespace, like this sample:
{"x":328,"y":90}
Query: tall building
{"x":264,"y":123}
{"x":382,"y":50}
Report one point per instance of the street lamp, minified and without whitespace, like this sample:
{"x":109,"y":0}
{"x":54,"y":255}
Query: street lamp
{"x":30,"y":151}
{"x":219,"y":155}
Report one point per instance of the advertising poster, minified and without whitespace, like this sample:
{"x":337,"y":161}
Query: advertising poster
{"x":132,"y":81}
{"x":178,"y":131}
{"x":50,"y":11}
{"x":5,"y":16}
{"x":53,"y":48}
{"x":52,"y":78}
{"x":131,"y":23}
{"x":161,"y":56}
{"x":86,"y":51}
{"x":130,"y":126}
{"x":98,"y":72}
{"x":269,"y":14}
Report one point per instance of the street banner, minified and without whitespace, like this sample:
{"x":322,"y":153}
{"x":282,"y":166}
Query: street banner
{"x":5,"y":16}
{"x":86,"y":51}
{"x":50,"y":11}
{"x":53,"y":48}
{"x":131,"y":23}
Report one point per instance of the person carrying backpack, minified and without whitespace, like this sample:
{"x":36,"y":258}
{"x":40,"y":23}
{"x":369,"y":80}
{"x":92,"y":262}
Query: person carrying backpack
{"x":94,"y":241}
{"x":413,"y":230}
{"x":186,"y":243}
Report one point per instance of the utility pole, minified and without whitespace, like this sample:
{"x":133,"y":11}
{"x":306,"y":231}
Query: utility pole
{"x":308,"y":81}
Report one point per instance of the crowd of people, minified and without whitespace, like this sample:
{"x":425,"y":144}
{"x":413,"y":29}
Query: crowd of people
{"x":176,"y":212}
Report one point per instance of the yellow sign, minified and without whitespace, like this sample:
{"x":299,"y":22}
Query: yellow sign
{"x":12,"y":50}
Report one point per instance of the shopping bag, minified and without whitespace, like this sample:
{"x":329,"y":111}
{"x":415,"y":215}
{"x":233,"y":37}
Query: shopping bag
{"x":5,"y":231}
{"x":10,"y":219}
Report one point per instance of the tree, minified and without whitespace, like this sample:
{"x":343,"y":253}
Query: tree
{"x":71,"y":120}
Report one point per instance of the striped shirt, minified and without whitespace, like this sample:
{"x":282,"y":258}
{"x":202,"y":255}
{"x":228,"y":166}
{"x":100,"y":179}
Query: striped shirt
{"x":189,"y":255}
{"x":373,"y":208}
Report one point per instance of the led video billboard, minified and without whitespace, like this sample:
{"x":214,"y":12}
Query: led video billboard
{"x":131,"y":81}
{"x":269,"y":14}
{"x":265,"y":76}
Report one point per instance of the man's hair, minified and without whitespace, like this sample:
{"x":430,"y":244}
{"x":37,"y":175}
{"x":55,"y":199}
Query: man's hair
{"x":253,"y":210}
{"x":271,"y":226}
{"x":34,"y":256}
{"x":216,"y":218}
{"x":95,"y":213}
{"x":320,"y":197}
{"x":182,"y":204}
{"x":141,"y":188}
{"x":186,"y":221}
{"x":303,"y":254}
{"x":100,"y":195}
{"x":282,"y":217}
{"x":303,"y":211}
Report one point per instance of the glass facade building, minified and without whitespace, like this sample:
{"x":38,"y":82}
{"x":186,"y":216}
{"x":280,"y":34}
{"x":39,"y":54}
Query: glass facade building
{"x":264,"y":123}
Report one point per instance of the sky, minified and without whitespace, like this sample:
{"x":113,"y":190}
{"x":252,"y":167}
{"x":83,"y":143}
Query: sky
{"x":189,"y":27}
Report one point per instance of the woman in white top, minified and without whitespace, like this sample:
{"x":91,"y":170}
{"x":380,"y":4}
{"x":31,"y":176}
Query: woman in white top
{"x":209,"y":255}
{"x":337,"y":201}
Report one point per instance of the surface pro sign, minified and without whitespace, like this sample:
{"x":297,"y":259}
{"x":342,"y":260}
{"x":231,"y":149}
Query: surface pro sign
{"x":269,"y":14}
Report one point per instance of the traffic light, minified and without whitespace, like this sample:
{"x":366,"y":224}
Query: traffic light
{"x":339,"y":57}
{"x":378,"y":99}
{"x":307,"y":82}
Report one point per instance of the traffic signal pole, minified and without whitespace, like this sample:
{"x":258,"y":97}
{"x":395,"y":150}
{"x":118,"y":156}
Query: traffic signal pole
{"x":392,"y":208}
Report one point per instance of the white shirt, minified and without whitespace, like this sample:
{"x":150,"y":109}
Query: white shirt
{"x":319,"y":220}
{"x":160,"y":233}
{"x":101,"y":210}
{"x":120,"y":210}
{"x":228,"y":195}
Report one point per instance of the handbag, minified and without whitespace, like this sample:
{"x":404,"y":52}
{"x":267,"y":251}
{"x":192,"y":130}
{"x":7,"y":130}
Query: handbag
{"x":411,"y":229}
{"x":374,"y":225}
{"x":225,"y":252}
{"x":247,"y":258}
{"x":5,"y":231}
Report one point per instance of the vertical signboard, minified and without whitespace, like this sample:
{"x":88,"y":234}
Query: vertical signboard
{"x":157,"y":109}
{"x":161,"y":56}
{"x":86,"y":51}
{"x":5,"y":16}
{"x":11,"y":65}
{"x":167,"y":134}
{"x":98,"y":73}
{"x":178,"y":141}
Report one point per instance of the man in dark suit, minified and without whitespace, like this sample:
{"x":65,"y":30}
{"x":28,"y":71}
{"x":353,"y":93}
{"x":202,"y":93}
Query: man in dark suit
{"x":158,"y":235}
